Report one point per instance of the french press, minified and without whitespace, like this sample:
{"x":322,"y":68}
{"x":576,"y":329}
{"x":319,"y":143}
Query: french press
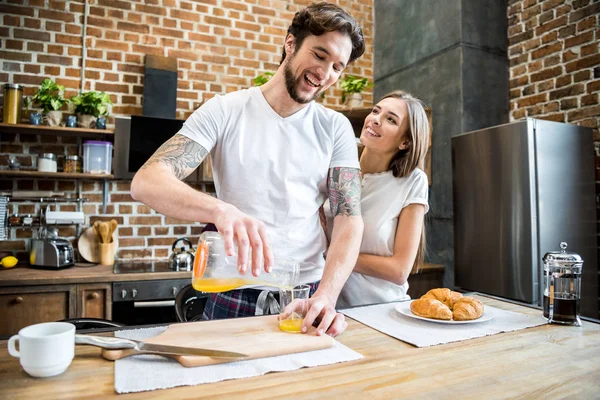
{"x":562,"y":286}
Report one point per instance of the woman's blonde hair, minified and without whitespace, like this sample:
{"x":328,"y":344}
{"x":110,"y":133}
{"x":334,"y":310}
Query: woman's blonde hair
{"x":405,"y":161}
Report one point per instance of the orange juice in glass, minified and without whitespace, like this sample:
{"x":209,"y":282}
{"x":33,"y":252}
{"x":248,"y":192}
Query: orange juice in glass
{"x":293,"y":304}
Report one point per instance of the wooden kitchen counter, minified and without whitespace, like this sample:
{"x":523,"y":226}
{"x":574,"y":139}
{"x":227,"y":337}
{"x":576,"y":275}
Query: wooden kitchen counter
{"x":80,"y":273}
{"x":549,"y":361}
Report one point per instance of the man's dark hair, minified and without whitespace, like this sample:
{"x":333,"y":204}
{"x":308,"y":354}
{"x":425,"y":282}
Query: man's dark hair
{"x":320,"y":18}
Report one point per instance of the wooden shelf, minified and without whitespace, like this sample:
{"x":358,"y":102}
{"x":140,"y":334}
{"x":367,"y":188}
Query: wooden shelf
{"x":56,"y":131}
{"x":54,"y":175}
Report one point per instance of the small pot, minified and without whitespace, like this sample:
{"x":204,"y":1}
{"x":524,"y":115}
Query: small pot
{"x":86,"y":121}
{"x":354,"y":100}
{"x":53,"y":118}
{"x":101,"y":123}
{"x":35,"y":118}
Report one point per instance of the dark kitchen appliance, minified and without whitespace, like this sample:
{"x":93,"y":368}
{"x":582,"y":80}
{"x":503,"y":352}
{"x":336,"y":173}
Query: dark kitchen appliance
{"x":520,"y":189}
{"x":137,"y":138}
{"x":51,"y":254}
{"x":143,"y":301}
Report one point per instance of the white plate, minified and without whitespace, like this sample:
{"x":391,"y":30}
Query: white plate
{"x":404,"y":309}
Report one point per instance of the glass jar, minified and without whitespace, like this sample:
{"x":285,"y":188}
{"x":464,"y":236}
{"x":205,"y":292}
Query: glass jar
{"x":13,"y":95}
{"x":47,"y":163}
{"x":562,"y":286}
{"x":215,"y":271}
{"x":72,"y":164}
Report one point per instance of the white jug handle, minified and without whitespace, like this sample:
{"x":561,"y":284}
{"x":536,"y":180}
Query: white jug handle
{"x":12,"y":350}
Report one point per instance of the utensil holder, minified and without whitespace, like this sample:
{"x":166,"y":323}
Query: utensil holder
{"x":106,"y":252}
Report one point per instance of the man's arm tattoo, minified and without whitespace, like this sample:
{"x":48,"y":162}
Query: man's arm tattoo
{"x":344,"y":191}
{"x":181,"y":154}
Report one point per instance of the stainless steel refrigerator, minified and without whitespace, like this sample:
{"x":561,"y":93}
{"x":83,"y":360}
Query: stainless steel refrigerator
{"x":519,"y":190}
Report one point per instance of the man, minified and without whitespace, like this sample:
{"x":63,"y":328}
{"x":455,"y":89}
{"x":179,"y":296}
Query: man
{"x":276,"y":154}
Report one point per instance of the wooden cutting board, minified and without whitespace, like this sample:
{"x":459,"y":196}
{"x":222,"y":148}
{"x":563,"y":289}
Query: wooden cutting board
{"x":257,"y":337}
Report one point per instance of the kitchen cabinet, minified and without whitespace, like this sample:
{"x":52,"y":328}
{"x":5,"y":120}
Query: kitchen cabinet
{"x":94,"y":300}
{"x":430,"y":276}
{"x":23,"y":306}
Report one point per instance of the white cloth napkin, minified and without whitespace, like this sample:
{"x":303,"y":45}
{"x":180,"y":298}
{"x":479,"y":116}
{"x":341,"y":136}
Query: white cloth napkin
{"x":386,"y":319}
{"x":148,"y":372}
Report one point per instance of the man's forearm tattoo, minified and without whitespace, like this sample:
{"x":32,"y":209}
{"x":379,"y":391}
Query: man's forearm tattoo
{"x":344,"y":191}
{"x":180,"y":153}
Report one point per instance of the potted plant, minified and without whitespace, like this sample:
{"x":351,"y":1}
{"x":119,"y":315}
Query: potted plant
{"x":262,"y":78}
{"x":91,"y":109}
{"x":352,"y":87}
{"x":49,"y":98}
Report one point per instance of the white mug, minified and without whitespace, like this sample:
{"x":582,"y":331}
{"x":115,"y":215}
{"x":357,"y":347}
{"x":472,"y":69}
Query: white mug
{"x":44,"y":349}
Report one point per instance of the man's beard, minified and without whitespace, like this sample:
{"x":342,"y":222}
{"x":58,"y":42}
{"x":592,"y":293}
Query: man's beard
{"x":291,"y":84}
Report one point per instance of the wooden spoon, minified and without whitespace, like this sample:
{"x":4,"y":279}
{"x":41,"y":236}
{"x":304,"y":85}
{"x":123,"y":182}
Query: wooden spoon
{"x":113,"y":228}
{"x":104,"y":229}
{"x":97,"y":231}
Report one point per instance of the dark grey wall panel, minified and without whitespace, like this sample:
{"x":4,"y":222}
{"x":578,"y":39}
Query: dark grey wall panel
{"x":483,"y":21}
{"x":406,"y":31}
{"x":485,"y":89}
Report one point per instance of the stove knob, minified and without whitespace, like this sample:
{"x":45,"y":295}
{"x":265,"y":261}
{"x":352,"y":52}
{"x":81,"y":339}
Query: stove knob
{"x":133,"y":293}
{"x":174,"y":290}
{"x":123,"y":293}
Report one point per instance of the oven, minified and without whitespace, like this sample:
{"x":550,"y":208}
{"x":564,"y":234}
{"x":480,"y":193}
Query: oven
{"x":142,"y":301}
{"x":146,"y":302}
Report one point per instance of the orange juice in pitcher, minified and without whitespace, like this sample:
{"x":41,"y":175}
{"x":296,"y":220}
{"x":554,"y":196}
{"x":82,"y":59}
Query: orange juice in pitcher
{"x":215,"y":271}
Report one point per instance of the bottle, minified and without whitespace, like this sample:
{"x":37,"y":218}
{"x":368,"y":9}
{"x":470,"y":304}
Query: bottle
{"x":215,"y":271}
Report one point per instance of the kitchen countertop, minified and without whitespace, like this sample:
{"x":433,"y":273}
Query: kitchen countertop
{"x":93,"y":273}
{"x":80,"y":273}
{"x":547,"y":361}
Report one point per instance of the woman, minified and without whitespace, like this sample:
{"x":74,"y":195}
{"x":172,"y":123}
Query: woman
{"x":395,"y":137}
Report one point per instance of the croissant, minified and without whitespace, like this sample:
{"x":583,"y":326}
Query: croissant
{"x":430,"y":308}
{"x":446,"y":296}
{"x":446,"y":304}
{"x":467,"y":308}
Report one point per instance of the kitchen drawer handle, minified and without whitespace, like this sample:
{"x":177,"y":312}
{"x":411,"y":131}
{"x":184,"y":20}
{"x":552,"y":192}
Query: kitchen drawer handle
{"x":18,"y":300}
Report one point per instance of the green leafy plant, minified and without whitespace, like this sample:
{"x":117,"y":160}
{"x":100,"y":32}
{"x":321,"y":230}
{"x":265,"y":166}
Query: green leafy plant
{"x":49,"y":96}
{"x":92,"y":103}
{"x":353,"y":84}
{"x":262,"y":78}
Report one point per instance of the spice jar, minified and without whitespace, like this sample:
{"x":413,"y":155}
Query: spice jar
{"x":72,"y":164}
{"x":47,"y":163}
{"x":14,"y":220}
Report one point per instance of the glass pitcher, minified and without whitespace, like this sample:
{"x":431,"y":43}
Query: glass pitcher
{"x":215,"y":271}
{"x":562,"y":286}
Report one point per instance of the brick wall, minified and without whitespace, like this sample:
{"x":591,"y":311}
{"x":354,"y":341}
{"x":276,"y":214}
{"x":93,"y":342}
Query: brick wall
{"x":555,"y":65}
{"x":220,"y":46}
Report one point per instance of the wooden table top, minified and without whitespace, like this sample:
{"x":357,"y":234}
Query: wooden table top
{"x":548,"y":361}
{"x":80,"y":273}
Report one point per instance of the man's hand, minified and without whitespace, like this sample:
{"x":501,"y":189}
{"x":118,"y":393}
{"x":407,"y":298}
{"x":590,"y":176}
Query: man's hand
{"x":247,"y":232}
{"x":321,"y":309}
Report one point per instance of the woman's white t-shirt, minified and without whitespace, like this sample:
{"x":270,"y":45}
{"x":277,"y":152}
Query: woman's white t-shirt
{"x":383,"y":198}
{"x":274,"y":168}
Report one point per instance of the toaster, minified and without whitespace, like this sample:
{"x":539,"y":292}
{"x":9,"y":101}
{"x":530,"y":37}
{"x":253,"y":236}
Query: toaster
{"x":51,"y":253}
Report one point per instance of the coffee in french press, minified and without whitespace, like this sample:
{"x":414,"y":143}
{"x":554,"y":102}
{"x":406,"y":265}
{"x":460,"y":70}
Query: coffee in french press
{"x":562,"y":286}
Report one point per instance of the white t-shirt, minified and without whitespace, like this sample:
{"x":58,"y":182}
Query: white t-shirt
{"x":274,"y":168}
{"x":383,"y":198}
